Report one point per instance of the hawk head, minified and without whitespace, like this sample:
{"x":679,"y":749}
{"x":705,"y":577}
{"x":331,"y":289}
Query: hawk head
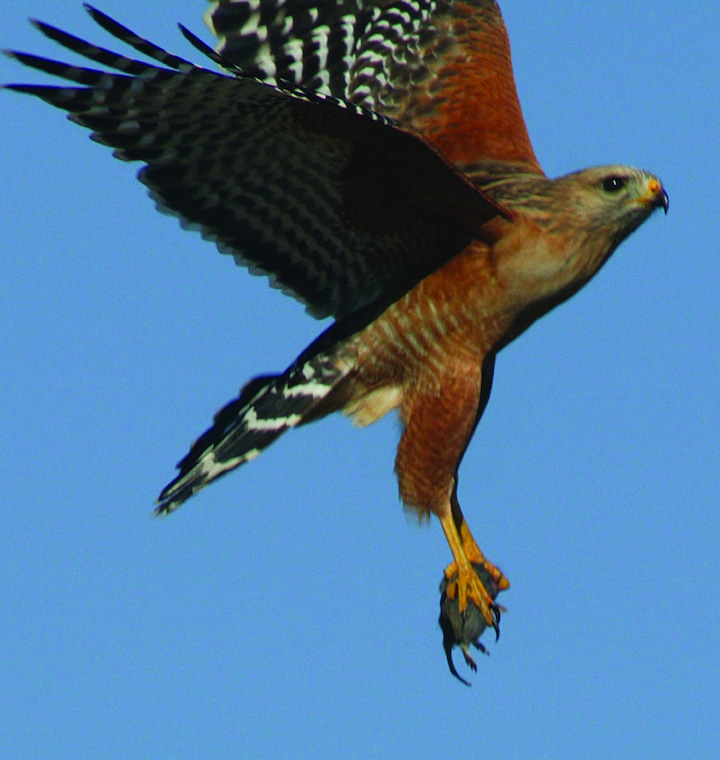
{"x":565,"y":229}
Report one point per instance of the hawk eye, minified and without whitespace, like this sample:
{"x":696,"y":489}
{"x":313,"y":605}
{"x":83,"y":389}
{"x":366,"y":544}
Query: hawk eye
{"x":614,"y":184}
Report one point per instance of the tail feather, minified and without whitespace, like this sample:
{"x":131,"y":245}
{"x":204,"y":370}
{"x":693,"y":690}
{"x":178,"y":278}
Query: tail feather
{"x":266,"y":407}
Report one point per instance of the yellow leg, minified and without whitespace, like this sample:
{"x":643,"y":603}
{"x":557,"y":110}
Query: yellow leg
{"x":473,"y":553}
{"x":467,"y":585}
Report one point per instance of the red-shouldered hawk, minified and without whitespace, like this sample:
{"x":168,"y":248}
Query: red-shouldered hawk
{"x":370,"y":157}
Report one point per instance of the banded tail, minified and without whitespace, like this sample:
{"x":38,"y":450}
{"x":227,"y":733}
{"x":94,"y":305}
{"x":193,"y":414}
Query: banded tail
{"x":266,"y":407}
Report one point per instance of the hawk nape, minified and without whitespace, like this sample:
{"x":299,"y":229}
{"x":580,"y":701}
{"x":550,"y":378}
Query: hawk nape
{"x":371,"y":158}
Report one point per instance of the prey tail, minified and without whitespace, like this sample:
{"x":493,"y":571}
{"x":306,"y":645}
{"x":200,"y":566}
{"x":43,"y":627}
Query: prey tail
{"x":267,"y":407}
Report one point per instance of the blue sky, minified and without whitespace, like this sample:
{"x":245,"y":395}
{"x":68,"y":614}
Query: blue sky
{"x":291,"y":609}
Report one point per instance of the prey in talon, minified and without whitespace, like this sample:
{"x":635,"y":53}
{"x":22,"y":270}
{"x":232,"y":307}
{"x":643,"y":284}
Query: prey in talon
{"x":462,"y":629}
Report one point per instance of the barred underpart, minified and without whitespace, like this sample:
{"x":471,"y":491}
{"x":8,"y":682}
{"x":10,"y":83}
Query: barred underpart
{"x":364,"y":51}
{"x":338,"y":205}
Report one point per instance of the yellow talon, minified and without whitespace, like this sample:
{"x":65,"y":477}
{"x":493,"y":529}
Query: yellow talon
{"x":463,"y":579}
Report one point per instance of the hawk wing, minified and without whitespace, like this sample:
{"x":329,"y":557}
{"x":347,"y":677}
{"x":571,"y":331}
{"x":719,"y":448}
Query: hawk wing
{"x":442,"y":66}
{"x":340,"y":206}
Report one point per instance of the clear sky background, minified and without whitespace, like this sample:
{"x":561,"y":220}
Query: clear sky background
{"x":291,"y":609}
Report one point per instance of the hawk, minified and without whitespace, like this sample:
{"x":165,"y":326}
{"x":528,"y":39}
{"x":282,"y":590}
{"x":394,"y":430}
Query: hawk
{"x":370,"y":157}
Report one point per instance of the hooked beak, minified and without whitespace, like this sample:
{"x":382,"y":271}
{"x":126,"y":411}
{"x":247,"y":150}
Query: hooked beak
{"x":657,"y":197}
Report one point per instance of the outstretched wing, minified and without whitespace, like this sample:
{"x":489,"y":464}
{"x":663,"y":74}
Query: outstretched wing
{"x":339,"y":206}
{"x":442,"y":66}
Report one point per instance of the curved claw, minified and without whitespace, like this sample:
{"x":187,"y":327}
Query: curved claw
{"x":469,"y":661}
{"x":496,"y":613}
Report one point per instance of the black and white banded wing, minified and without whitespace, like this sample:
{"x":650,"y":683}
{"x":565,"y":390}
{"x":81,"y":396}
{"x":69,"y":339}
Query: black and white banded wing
{"x":442,"y":67}
{"x":336,"y":204}
{"x":310,"y":43}
{"x":266,"y":408}
{"x":371,"y":52}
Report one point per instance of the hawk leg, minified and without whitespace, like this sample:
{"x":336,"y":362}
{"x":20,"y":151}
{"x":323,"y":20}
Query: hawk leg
{"x":445,"y":408}
{"x":472,"y":550}
{"x":464,"y":581}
